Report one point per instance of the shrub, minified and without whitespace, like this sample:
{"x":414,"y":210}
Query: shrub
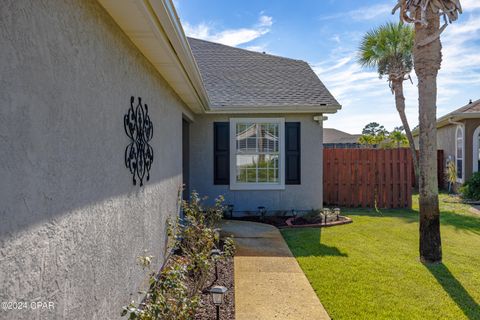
{"x":174,"y":293}
{"x":471,"y":189}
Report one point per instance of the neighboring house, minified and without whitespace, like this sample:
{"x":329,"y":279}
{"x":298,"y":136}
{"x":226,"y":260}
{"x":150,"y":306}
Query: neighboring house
{"x":458,"y":134}
{"x":225,"y":121}
{"x":333,"y":138}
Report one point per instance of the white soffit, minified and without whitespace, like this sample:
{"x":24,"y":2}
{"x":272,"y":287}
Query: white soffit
{"x":158,"y":35}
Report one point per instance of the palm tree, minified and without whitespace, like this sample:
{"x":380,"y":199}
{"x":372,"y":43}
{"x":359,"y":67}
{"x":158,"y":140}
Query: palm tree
{"x":389,"y":49}
{"x":399,"y":138}
{"x":427,"y":53}
{"x":367,"y":140}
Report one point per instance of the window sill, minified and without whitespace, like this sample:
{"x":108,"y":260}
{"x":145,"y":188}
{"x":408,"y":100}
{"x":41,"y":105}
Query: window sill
{"x":240,"y":186}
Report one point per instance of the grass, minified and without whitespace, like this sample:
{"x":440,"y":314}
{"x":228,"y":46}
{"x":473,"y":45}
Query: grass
{"x":370,"y":269}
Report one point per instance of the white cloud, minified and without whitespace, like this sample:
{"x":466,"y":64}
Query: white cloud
{"x":470,"y":5}
{"x":367,"y":98}
{"x":231,"y":37}
{"x":363,"y":13}
{"x":265,"y":21}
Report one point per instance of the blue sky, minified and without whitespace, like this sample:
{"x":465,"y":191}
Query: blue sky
{"x":326,"y":34}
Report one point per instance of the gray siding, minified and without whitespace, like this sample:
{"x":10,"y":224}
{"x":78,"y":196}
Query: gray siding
{"x":72,"y":223}
{"x":306,"y":196}
{"x":446,"y":141}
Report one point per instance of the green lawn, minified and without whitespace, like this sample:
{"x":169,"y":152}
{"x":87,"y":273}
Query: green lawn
{"x":370,"y":269}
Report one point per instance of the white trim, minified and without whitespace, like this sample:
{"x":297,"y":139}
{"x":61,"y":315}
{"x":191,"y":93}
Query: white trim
{"x":476,"y":146}
{"x":462,"y":128}
{"x":281,"y":159}
{"x":274,"y":109}
{"x":155,"y":29}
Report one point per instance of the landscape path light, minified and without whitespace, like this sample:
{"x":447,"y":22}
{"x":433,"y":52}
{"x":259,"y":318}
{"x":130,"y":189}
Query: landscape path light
{"x":215,"y":254}
{"x":218,"y":294}
{"x":337,"y":212}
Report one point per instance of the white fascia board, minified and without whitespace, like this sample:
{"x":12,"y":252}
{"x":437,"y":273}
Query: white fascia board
{"x":158,"y":21}
{"x":274,"y":109}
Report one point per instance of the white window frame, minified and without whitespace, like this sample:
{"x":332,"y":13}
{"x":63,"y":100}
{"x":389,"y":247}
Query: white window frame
{"x":234,"y":185}
{"x":462,"y":129}
{"x":476,"y":145}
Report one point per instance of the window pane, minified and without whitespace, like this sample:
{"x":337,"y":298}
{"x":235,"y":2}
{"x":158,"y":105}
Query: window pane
{"x":262,"y":175}
{"x":251,"y":175}
{"x":459,"y":169}
{"x":257,"y":148}
{"x":246,"y":168}
{"x":273,"y":175}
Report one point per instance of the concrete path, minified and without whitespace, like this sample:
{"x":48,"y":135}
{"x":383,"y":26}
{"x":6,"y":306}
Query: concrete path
{"x":269,"y":283}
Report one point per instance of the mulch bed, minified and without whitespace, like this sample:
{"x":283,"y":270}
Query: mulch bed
{"x":289,"y":222}
{"x":313,"y":223}
{"x":207,"y":309}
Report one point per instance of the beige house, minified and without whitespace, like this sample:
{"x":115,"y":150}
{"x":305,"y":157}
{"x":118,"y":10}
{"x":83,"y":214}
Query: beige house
{"x":459,"y":136}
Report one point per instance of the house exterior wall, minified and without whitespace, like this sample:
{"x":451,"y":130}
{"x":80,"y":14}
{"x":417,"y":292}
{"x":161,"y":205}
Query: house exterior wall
{"x":308,"y":195}
{"x":72,"y":222}
{"x":446,"y":142}
{"x":446,"y":138}
{"x":470,"y":126}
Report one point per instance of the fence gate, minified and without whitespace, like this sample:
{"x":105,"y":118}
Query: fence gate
{"x":367,"y":178}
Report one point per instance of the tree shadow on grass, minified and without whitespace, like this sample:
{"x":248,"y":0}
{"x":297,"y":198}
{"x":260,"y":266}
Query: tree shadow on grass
{"x":455,"y":290}
{"x":308,"y":242}
{"x":447,"y":218}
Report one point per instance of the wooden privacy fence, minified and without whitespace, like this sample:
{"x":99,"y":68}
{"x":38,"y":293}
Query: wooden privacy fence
{"x":367,"y":177}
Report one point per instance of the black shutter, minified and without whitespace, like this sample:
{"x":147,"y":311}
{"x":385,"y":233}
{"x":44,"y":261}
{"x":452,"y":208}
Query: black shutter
{"x":221,"y":153}
{"x":292,"y":153}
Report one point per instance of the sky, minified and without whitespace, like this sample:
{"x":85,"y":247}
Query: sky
{"x":326,"y":34}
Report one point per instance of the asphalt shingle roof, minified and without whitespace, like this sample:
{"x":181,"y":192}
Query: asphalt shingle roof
{"x":331,"y":135}
{"x":236,"y":77}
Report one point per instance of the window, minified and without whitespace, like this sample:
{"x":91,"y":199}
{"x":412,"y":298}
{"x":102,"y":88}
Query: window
{"x":459,"y":153}
{"x":476,"y":150}
{"x":257,"y":154}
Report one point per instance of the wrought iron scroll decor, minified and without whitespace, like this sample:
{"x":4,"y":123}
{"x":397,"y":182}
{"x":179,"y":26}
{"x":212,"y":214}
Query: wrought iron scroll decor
{"x":139,"y":128}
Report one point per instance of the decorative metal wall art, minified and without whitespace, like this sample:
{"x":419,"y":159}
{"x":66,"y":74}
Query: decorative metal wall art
{"x":139,"y":128}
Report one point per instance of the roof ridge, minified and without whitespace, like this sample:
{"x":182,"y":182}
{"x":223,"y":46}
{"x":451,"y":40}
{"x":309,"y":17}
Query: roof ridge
{"x":250,"y":51}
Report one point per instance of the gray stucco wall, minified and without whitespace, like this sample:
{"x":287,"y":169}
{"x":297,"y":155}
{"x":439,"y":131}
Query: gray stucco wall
{"x":72,"y":223}
{"x":308,"y":195}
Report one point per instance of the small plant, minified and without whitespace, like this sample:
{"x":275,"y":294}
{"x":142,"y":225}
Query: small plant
{"x":471,"y":189}
{"x":174,"y":293}
{"x":451,"y":175}
{"x":229,"y":247}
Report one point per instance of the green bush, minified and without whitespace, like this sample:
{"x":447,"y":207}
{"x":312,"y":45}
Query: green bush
{"x":174,"y":293}
{"x":471,"y":189}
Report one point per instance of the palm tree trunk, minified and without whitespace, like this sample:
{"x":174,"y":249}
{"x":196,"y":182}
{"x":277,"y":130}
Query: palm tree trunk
{"x":427,"y":60}
{"x":400,"y":104}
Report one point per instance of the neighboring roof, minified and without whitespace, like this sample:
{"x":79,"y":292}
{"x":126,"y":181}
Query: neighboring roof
{"x":337,"y":136}
{"x":239,"y":79}
{"x":468,"y":111}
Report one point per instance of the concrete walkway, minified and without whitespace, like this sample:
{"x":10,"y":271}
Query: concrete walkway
{"x":269,"y":283}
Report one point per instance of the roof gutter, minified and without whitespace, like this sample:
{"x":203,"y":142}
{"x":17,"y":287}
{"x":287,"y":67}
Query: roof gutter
{"x":331,"y":108}
{"x":176,"y":35}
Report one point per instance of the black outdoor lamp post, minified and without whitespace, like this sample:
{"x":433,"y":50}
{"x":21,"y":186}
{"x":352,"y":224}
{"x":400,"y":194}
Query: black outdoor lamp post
{"x":215,"y":254}
{"x":263,"y":211}
{"x":218,"y":293}
{"x":230,"y":210}
{"x":326,"y":213}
